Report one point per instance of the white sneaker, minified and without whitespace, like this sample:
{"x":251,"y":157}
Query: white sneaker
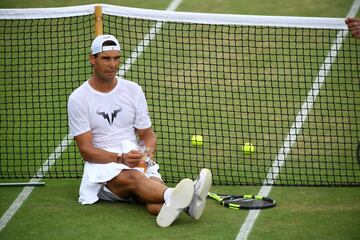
{"x":179,"y":200}
{"x":201,"y":189}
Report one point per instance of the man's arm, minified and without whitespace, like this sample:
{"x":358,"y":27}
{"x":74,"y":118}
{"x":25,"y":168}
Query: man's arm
{"x":97,"y":155}
{"x":149,"y":137}
{"x":91,"y":153}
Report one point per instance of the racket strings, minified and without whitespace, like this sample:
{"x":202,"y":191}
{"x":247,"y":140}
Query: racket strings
{"x":248,"y":202}
{"x":243,"y":201}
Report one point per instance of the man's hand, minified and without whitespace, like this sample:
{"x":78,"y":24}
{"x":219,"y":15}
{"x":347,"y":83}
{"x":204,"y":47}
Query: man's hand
{"x":354,"y":26}
{"x":133,"y":158}
{"x":150,"y":152}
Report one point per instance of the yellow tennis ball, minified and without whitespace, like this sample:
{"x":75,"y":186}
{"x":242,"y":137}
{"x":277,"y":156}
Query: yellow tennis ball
{"x":197,"y":140}
{"x":248,"y":148}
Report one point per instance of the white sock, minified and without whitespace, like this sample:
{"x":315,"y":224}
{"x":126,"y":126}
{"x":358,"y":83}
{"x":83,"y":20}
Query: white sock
{"x":167,"y":194}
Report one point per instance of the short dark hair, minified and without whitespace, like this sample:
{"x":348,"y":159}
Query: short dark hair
{"x":109,"y":43}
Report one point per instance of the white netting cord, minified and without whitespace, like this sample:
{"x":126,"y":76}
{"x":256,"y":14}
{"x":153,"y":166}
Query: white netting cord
{"x":167,"y":16}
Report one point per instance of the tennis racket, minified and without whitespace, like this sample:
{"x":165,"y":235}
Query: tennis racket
{"x":242,"y":201}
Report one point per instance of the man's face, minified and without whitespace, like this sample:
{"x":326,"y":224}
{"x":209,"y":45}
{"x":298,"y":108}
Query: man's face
{"x":106,"y":64}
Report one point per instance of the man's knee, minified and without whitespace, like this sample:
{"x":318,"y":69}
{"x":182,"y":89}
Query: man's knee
{"x":126,"y":183}
{"x":130,"y":178}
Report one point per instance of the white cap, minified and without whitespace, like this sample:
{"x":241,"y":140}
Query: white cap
{"x":97,"y":44}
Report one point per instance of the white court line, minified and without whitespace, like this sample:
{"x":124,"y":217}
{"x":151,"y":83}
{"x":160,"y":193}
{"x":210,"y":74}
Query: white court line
{"x":145,"y":43}
{"x":10,"y":212}
{"x":297,"y":126}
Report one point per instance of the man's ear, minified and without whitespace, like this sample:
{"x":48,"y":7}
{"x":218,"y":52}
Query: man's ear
{"x":92,"y":59}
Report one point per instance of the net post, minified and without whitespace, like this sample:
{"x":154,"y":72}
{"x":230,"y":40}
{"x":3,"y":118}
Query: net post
{"x":98,"y":20}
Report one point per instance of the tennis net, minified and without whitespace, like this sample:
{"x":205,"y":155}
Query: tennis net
{"x":287,"y":85}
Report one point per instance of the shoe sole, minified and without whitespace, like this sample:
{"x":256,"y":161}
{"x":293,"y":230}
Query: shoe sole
{"x":198,"y":202}
{"x":180,"y":198}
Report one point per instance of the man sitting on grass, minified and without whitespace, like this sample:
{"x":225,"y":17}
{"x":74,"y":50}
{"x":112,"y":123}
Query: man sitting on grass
{"x":108,"y":115}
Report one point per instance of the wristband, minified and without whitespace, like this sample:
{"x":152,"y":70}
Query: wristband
{"x":120,"y":158}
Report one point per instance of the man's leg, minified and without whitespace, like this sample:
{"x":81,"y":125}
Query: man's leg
{"x":150,"y":191}
{"x":154,"y":208}
{"x":179,"y":199}
{"x":134,"y":184}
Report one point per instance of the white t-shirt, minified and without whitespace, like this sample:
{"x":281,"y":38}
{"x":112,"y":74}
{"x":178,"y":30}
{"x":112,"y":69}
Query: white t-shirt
{"x":111,"y":117}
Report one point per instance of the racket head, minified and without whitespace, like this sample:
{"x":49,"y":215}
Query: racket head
{"x":247,"y":202}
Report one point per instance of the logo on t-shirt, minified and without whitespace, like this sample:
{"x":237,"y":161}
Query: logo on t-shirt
{"x":107,"y":117}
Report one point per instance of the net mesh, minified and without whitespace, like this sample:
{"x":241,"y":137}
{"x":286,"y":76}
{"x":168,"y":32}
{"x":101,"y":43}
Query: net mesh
{"x":291,"y":92}
{"x":41,"y":61}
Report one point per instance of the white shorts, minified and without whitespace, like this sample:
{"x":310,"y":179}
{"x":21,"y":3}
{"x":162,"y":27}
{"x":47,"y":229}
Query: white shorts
{"x":107,"y":195}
